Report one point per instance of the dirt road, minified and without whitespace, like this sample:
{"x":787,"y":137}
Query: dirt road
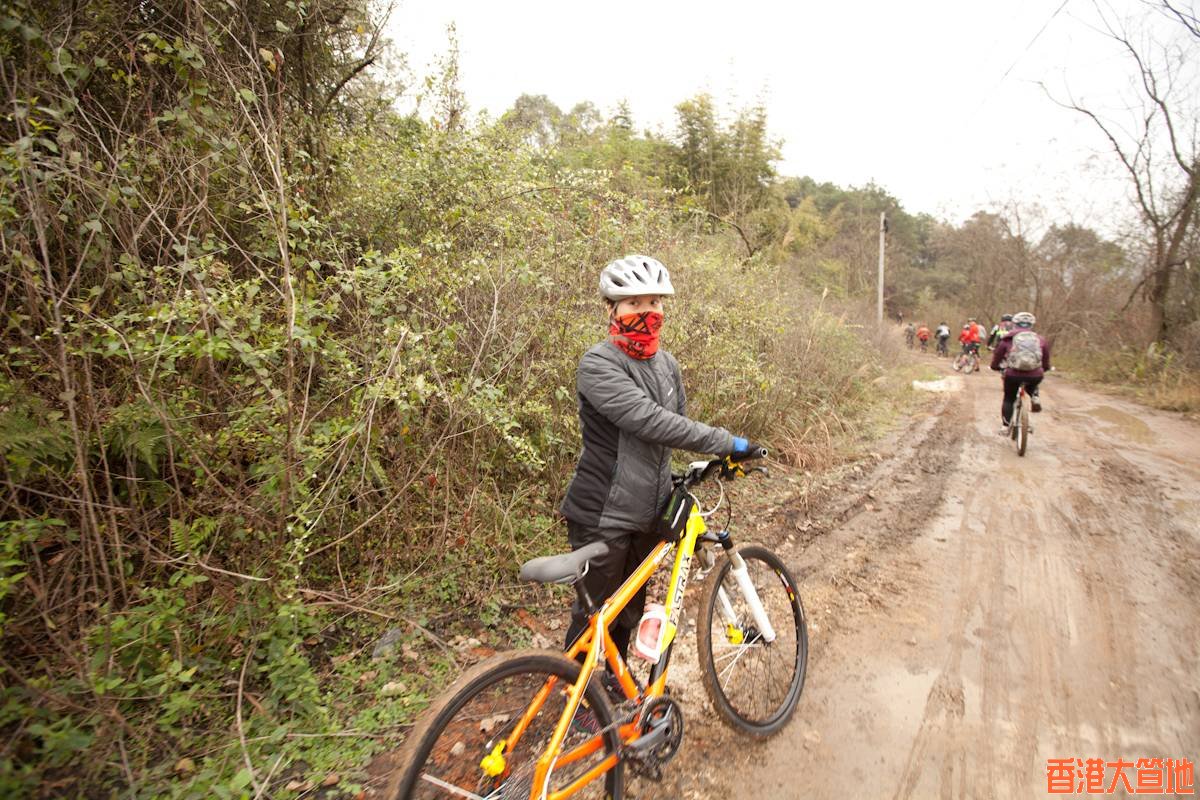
{"x":974,"y":614}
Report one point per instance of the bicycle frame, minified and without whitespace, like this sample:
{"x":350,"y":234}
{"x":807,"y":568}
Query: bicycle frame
{"x":595,"y":644}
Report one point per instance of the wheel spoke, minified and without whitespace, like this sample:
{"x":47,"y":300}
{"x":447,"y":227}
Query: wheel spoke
{"x":754,"y":684}
{"x":470,"y":723}
{"x":451,"y":788}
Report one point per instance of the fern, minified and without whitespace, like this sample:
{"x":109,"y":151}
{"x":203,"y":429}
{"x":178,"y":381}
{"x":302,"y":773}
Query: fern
{"x":32,"y":441}
{"x":190,"y":537}
{"x":135,"y":433}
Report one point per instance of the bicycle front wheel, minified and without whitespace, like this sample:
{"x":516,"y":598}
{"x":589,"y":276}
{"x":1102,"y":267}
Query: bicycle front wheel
{"x":1023,"y":430}
{"x":476,"y":718}
{"x":754,"y":684}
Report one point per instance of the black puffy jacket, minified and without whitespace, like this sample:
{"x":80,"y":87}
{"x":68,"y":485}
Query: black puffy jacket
{"x":631,"y":414}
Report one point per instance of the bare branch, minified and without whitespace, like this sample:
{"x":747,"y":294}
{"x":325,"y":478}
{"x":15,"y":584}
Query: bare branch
{"x":1187,"y":19}
{"x":1130,"y":163}
{"x":359,"y":67}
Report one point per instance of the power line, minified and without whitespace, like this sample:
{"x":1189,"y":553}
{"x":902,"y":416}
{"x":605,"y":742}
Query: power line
{"x":1033,"y":40}
{"x":1017,"y":60}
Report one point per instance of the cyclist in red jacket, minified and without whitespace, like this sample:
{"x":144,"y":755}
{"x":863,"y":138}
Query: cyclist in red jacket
{"x":969,"y":338}
{"x":923,"y":336}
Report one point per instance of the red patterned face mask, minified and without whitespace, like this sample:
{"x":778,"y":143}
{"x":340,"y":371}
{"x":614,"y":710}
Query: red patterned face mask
{"x":637,"y":334}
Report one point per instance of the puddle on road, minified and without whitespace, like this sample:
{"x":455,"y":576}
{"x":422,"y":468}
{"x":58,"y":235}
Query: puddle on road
{"x":951,"y":383}
{"x":1126,"y":425}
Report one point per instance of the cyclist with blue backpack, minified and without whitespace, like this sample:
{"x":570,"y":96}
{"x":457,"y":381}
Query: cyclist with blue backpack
{"x":1024,"y":357}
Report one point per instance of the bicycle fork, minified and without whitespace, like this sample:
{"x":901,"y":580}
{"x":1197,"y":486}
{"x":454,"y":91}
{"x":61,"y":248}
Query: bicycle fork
{"x":741,"y":575}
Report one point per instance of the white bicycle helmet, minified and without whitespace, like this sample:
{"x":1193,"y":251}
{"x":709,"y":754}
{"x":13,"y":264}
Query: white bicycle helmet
{"x":634,"y":275}
{"x":1024,"y":319}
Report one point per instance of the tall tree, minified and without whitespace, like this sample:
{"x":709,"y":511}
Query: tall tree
{"x":1159,"y":149}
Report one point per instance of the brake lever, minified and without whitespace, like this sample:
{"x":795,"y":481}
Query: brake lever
{"x":763,"y":470}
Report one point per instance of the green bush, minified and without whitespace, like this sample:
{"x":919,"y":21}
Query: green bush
{"x":274,"y":365}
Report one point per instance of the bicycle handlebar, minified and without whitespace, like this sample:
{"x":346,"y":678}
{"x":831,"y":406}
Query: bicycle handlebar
{"x":726,"y":467}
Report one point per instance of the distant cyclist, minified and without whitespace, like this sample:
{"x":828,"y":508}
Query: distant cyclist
{"x":999,"y":329}
{"x":910,"y":333}
{"x":1024,"y":355}
{"x":980,"y":331}
{"x":969,"y":339}
{"x":923,"y":336}
{"x":943,"y":336}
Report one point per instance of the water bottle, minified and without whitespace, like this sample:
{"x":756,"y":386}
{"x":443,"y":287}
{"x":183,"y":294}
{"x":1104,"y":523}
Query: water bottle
{"x":650,"y":632}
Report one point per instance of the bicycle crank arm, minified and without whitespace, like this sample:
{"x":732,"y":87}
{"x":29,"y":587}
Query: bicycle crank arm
{"x":647,"y":742}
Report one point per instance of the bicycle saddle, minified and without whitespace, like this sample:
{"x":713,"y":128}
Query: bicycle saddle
{"x":565,"y":568}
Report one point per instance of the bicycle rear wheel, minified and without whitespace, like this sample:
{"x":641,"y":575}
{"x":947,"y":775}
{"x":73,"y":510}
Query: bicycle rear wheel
{"x":753,"y":684}
{"x":443,"y":755}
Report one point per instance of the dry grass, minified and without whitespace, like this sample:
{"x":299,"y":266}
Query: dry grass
{"x":1157,"y":379}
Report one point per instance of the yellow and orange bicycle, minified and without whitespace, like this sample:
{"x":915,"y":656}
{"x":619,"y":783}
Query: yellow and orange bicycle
{"x":534,"y":724}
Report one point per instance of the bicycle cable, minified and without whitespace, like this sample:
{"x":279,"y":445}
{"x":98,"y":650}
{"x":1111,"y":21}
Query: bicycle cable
{"x":713,"y":510}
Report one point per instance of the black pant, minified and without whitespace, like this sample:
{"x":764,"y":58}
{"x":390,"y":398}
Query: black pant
{"x":1011,"y":387}
{"x":627,"y":549}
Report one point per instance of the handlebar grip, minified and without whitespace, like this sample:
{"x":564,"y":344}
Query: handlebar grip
{"x":753,"y":451}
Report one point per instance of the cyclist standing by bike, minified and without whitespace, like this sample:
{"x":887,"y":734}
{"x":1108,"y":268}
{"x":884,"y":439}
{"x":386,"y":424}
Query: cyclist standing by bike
{"x":1024,"y":356}
{"x":632,"y":412}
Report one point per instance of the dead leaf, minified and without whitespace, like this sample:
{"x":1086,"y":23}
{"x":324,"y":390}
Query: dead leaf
{"x":488,"y":724}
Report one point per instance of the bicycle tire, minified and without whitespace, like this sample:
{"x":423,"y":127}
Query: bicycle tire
{"x":780,"y":596}
{"x":493,"y":695}
{"x":1023,"y":431}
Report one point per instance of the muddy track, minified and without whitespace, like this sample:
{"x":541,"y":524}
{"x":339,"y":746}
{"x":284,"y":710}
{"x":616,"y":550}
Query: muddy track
{"x":973,"y":614}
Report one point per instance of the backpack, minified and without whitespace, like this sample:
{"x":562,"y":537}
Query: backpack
{"x":1026,"y":352}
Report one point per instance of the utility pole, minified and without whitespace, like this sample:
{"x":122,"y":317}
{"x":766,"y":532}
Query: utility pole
{"x":879,"y":296}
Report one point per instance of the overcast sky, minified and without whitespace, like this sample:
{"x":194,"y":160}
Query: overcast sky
{"x":938,"y":101}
